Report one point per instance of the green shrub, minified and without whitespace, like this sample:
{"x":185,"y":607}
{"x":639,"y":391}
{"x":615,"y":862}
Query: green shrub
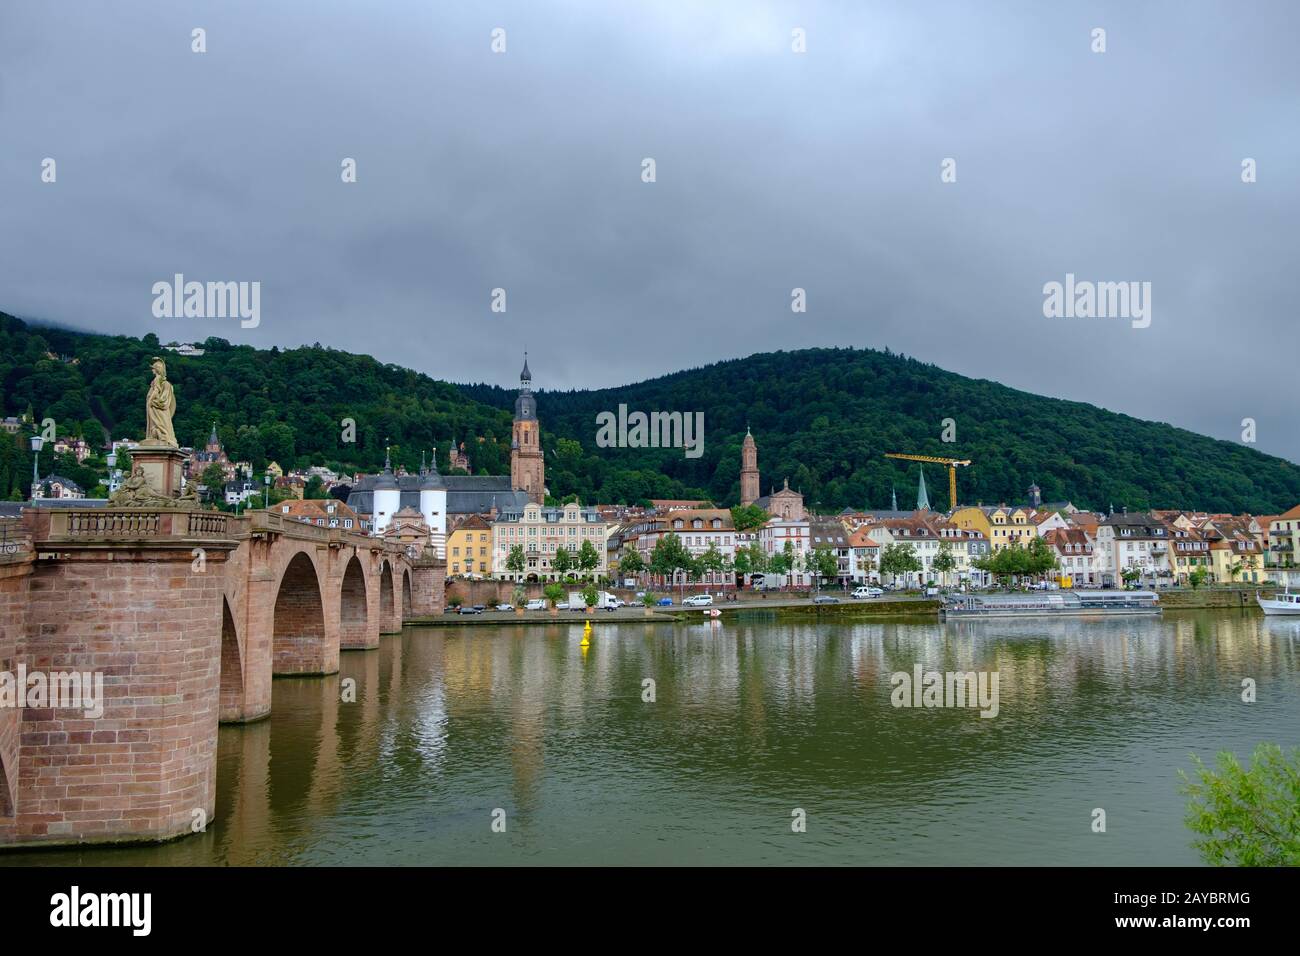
{"x":1247,"y":817}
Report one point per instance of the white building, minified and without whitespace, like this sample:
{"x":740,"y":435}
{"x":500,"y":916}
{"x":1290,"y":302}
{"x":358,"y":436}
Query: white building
{"x":240,"y":490}
{"x":777,"y":534}
{"x":1077,"y":555}
{"x":542,"y":532}
{"x":1136,"y":542}
{"x":698,"y":529}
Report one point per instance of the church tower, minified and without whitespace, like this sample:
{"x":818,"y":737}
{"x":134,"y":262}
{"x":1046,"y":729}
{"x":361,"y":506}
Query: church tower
{"x":527,"y":469}
{"x":748,"y":470}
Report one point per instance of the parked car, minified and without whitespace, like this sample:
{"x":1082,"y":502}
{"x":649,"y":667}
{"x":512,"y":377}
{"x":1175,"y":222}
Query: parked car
{"x":698,"y":600}
{"x":562,"y":605}
{"x":665,"y":602}
{"x":825,"y":599}
{"x":536,"y":604}
{"x":476,"y":609}
{"x":505,"y":607}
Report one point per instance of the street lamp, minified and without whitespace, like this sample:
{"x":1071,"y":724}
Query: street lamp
{"x":266,"y":494}
{"x":37,"y":443}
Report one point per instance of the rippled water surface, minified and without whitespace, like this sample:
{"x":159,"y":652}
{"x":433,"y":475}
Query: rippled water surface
{"x":752,"y":719}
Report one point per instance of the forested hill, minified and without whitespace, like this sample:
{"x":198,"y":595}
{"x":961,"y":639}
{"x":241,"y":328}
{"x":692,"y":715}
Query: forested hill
{"x":824,"y":418}
{"x":269,"y":405}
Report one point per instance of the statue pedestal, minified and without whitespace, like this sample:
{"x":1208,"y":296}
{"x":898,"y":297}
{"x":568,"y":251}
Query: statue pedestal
{"x":162,"y":466}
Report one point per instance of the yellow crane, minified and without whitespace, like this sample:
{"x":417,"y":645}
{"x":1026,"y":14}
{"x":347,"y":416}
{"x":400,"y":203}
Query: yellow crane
{"x":952,"y":463}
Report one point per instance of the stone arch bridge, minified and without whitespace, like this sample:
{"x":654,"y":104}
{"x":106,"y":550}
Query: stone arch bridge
{"x":187,"y":615}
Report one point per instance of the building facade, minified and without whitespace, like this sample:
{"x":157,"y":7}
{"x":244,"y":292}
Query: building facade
{"x":470,"y":549}
{"x":541,"y":533}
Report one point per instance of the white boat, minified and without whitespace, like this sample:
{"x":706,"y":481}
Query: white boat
{"x":1071,"y":603}
{"x":1282,"y":602}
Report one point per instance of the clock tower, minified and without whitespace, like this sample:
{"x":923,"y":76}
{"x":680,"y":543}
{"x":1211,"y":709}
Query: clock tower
{"x":527,"y":468}
{"x":748,"y":470}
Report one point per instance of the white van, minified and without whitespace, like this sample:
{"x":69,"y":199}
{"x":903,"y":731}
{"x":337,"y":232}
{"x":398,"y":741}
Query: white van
{"x":698,"y":600}
{"x":536,"y":604}
{"x":863,"y":591}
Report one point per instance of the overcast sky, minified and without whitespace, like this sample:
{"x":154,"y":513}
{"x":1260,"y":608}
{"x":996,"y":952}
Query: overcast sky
{"x":775,"y":170}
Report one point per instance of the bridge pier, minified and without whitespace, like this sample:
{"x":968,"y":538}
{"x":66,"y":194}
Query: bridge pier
{"x":14,"y":574}
{"x":390,"y":597}
{"x":428,"y":582}
{"x":142,"y":615}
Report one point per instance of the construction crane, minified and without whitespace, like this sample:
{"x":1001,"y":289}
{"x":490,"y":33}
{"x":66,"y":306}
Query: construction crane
{"x":952,"y":463}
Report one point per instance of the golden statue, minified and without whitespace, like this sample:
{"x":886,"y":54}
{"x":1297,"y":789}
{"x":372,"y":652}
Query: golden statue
{"x":159,"y":407}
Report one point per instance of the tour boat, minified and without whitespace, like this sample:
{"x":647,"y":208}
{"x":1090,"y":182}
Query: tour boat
{"x":1282,"y":602}
{"x":1063,"y":603}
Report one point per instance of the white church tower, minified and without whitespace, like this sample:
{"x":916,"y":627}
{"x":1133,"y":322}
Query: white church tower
{"x":433,"y":505}
{"x":387,"y":499}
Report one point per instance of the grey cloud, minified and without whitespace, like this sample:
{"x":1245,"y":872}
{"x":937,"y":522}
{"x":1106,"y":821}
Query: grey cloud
{"x":774,"y":171}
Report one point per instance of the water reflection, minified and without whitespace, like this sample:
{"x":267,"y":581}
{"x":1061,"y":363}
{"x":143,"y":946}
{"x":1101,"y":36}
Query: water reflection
{"x":750,"y":720}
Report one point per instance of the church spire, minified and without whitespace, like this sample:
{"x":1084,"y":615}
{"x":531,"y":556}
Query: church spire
{"x":893,"y":499}
{"x":922,"y":499}
{"x":525,"y":377}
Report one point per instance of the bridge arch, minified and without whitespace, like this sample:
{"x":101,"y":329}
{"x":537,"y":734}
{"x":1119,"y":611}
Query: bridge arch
{"x":407,"y":603}
{"x":390,"y":608}
{"x":298,"y":642}
{"x":230,"y":705}
{"x":354,"y":608}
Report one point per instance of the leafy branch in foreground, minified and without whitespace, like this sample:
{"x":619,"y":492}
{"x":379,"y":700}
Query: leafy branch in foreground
{"x":1246,"y":817}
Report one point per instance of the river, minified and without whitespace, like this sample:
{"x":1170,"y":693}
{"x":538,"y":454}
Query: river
{"x":753,"y":721}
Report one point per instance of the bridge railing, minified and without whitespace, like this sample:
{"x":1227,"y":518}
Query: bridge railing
{"x":274,"y":521}
{"x":126,"y":524}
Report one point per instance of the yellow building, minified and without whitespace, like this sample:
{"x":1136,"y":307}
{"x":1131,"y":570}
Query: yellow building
{"x":1233,"y":546}
{"x":1229,"y":553}
{"x":1003,"y":526}
{"x":1188,"y":552}
{"x":1284,"y":539}
{"x":469,"y":548}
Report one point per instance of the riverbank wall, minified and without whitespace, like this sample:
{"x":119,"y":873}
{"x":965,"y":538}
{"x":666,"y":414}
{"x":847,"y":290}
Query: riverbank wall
{"x":1187,"y":599}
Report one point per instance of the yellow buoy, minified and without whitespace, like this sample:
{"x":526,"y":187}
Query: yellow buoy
{"x":586,"y":634}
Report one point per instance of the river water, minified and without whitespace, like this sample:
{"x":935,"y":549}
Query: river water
{"x":753,"y":719}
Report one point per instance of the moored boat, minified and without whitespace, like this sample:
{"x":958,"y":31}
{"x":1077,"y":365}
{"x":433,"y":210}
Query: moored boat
{"x":1282,"y":602}
{"x":1065,"y":603}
